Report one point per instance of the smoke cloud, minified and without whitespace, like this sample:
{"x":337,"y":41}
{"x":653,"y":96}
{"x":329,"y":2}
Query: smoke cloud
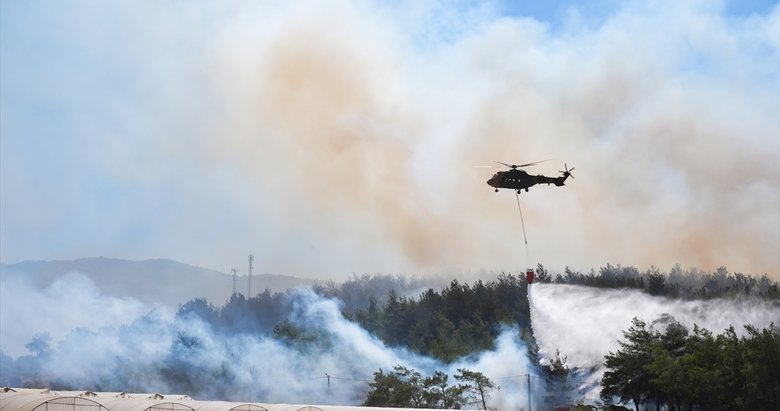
{"x":340,"y":137}
{"x":70,"y":302}
{"x":382,"y":138}
{"x":79,"y":338}
{"x":158,"y":352}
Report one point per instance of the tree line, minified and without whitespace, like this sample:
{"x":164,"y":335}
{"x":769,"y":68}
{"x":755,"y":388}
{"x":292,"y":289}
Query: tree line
{"x":686,"y":370}
{"x":458,"y":320}
{"x":426,"y":316}
{"x":690,"y":283}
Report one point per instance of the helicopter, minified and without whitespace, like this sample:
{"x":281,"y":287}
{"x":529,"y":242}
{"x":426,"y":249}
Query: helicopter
{"x":517,"y":179}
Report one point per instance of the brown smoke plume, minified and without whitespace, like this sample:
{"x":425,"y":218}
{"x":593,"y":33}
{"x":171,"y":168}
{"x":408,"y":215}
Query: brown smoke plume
{"x":356,"y":136}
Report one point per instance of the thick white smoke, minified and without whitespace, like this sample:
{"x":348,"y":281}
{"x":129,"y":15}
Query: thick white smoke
{"x":139,"y":352}
{"x":121,"y":343}
{"x":508,"y":366}
{"x":71,"y":301}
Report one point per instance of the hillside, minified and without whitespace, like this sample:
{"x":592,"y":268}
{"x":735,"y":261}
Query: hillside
{"x":151,"y":281}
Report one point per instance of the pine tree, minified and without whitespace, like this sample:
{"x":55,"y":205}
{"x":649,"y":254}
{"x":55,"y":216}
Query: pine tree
{"x":626,"y":376}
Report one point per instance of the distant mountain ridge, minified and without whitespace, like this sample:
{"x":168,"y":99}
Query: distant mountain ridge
{"x":151,"y":281}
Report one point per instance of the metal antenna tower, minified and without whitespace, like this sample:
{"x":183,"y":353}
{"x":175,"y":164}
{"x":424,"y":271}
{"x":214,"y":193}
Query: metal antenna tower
{"x":249,"y":288}
{"x":235,"y":279}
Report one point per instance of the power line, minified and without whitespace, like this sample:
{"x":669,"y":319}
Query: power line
{"x":350,"y":379}
{"x":332,"y":377}
{"x":515,"y":376}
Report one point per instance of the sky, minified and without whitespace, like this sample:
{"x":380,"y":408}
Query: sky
{"x":339,"y":137}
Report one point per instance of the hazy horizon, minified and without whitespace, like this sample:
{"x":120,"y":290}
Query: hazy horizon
{"x":341,"y":137}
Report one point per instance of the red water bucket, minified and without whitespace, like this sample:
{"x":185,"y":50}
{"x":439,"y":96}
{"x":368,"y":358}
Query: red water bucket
{"x":529,"y":276}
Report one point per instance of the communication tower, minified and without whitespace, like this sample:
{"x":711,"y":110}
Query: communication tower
{"x":235,"y":279}
{"x":249,"y":288}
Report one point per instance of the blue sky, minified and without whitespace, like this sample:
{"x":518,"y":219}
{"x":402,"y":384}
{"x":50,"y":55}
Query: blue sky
{"x":339,"y":138}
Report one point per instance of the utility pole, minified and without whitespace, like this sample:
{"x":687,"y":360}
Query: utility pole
{"x":249,"y":288}
{"x":328,"y":375}
{"x":235,"y":279}
{"x":528,"y":377}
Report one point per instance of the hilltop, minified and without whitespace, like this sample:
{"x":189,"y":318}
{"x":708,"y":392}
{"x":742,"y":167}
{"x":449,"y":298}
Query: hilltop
{"x":151,"y":281}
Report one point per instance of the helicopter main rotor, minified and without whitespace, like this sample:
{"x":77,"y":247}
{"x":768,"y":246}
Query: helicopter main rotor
{"x":516,"y":166}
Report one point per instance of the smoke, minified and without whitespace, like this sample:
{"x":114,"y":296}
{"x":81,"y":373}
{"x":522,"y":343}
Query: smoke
{"x":507,"y":366}
{"x":585,"y":323}
{"x":122,"y":345}
{"x":381,"y":139}
{"x":71,"y":301}
{"x":157,"y":352}
{"x":337,"y":138}
{"x":380,"y":135}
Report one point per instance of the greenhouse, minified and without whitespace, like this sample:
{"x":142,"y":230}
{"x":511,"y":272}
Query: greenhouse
{"x":26,"y":399}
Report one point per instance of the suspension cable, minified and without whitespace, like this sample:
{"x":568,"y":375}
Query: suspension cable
{"x":517,"y":197}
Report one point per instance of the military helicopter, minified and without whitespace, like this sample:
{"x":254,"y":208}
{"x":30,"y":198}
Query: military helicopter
{"x":517,"y":179}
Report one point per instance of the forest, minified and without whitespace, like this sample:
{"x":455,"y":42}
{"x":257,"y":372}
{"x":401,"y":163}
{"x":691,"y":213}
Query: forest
{"x":456,"y":321}
{"x":672,"y":367}
{"x":690,"y":283}
{"x":462,"y":319}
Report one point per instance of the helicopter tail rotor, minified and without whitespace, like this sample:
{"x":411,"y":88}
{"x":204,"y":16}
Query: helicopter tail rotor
{"x":567,"y":172}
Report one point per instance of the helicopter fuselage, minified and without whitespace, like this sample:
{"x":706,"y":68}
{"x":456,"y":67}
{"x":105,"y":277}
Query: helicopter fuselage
{"x":516,"y":179}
